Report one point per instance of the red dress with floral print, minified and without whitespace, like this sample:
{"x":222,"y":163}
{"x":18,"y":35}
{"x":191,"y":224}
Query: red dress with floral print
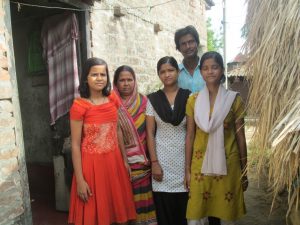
{"x":102,"y":166}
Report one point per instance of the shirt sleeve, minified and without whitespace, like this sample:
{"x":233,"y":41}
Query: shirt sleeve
{"x":77,"y":110}
{"x":190,"y":105}
{"x":239,"y":108}
{"x":149,"y":109}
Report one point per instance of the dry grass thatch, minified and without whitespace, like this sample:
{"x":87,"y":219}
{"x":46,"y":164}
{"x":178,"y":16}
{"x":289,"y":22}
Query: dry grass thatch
{"x":273,"y":49}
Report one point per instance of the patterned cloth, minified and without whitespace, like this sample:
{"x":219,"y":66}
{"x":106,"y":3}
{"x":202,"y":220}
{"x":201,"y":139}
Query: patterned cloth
{"x":193,"y":82}
{"x":217,"y":196}
{"x":169,"y":142}
{"x":58,"y":36}
{"x":133,"y":123}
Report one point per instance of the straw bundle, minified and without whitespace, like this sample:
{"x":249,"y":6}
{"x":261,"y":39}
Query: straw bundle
{"x":273,"y":49}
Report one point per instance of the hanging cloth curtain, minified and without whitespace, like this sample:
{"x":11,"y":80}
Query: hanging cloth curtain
{"x":58,"y":37}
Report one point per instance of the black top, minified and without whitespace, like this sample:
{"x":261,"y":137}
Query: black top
{"x":163,"y":108}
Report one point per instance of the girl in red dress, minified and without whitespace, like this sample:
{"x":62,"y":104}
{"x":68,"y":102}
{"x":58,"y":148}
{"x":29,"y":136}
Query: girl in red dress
{"x":101,"y":191}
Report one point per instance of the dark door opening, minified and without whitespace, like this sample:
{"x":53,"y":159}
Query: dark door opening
{"x":42,"y":141}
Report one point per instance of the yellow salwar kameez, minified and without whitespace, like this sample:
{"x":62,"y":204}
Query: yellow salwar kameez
{"x":217,"y":196}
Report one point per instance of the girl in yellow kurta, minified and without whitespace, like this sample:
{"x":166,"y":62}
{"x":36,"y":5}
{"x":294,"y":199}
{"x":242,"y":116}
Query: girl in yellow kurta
{"x":216,"y":190}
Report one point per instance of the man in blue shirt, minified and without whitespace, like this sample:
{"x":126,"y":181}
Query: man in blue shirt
{"x":187,"y":42}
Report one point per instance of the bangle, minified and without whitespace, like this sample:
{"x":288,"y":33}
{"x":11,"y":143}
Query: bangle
{"x":154,"y":161}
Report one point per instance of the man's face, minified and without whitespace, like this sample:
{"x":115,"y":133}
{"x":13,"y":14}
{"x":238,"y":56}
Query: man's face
{"x":188,"y":46}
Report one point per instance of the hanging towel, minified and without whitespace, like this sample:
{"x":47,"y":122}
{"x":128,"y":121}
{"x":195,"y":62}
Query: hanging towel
{"x":59,"y":35}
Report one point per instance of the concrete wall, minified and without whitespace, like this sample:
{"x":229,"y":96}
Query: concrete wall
{"x":131,"y":39}
{"x":14,"y":195}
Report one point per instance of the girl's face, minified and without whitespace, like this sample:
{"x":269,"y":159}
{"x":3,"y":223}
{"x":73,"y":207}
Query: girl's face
{"x":97,"y":78}
{"x":211,"y":71}
{"x":125,"y":83}
{"x":168,"y":74}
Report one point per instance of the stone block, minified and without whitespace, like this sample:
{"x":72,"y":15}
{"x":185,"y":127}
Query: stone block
{"x":8,"y":167}
{"x":3,"y":47}
{"x":7,"y":137}
{"x":6,"y":120}
{"x":14,"y":194}
{"x":9,"y":215}
{"x":6,"y":106}
{"x":6,"y":92}
{"x":8,"y":152}
{"x":2,"y":13}
{"x":4,"y":75}
{"x":6,"y":186}
{"x":3,"y":62}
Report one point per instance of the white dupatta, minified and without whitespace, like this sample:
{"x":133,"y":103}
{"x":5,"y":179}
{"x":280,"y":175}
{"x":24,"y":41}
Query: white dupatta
{"x":214,"y":162}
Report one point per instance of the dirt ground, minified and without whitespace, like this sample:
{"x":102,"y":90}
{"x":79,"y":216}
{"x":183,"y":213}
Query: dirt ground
{"x":258,"y":204}
{"x":259,"y":200}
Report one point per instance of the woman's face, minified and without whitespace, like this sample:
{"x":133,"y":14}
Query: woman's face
{"x":211,"y":71}
{"x":97,"y":78}
{"x":125,"y":83}
{"x":168,"y":74}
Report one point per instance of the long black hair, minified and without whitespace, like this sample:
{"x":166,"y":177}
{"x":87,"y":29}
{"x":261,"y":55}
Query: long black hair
{"x":218,"y":59}
{"x":84,"y":89}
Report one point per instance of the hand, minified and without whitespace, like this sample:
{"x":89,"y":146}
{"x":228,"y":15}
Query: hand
{"x":245,"y":182}
{"x":157,"y":172}
{"x":187,"y":180}
{"x":83,"y":190}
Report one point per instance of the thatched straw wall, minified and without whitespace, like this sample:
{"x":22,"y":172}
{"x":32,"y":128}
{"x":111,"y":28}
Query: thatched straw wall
{"x":273,"y":48}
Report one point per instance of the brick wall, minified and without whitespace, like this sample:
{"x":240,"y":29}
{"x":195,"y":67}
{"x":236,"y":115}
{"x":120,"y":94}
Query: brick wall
{"x":14,"y":197}
{"x":131,"y":39}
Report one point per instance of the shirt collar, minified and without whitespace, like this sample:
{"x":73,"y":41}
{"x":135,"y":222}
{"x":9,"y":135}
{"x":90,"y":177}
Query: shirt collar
{"x":181,"y":65}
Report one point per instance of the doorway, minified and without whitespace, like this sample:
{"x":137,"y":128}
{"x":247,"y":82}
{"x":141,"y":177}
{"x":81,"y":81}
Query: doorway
{"x":42,"y":142}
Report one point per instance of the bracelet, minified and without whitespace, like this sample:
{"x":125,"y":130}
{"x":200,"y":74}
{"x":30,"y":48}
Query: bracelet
{"x":154,"y":161}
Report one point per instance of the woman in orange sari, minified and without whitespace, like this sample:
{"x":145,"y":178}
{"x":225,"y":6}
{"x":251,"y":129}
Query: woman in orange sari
{"x":101,"y":191}
{"x":132,"y":121}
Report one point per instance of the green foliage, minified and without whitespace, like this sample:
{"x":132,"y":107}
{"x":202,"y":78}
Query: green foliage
{"x":214,"y":41}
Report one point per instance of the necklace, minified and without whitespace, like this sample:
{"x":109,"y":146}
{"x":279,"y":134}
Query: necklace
{"x":102,"y":100}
